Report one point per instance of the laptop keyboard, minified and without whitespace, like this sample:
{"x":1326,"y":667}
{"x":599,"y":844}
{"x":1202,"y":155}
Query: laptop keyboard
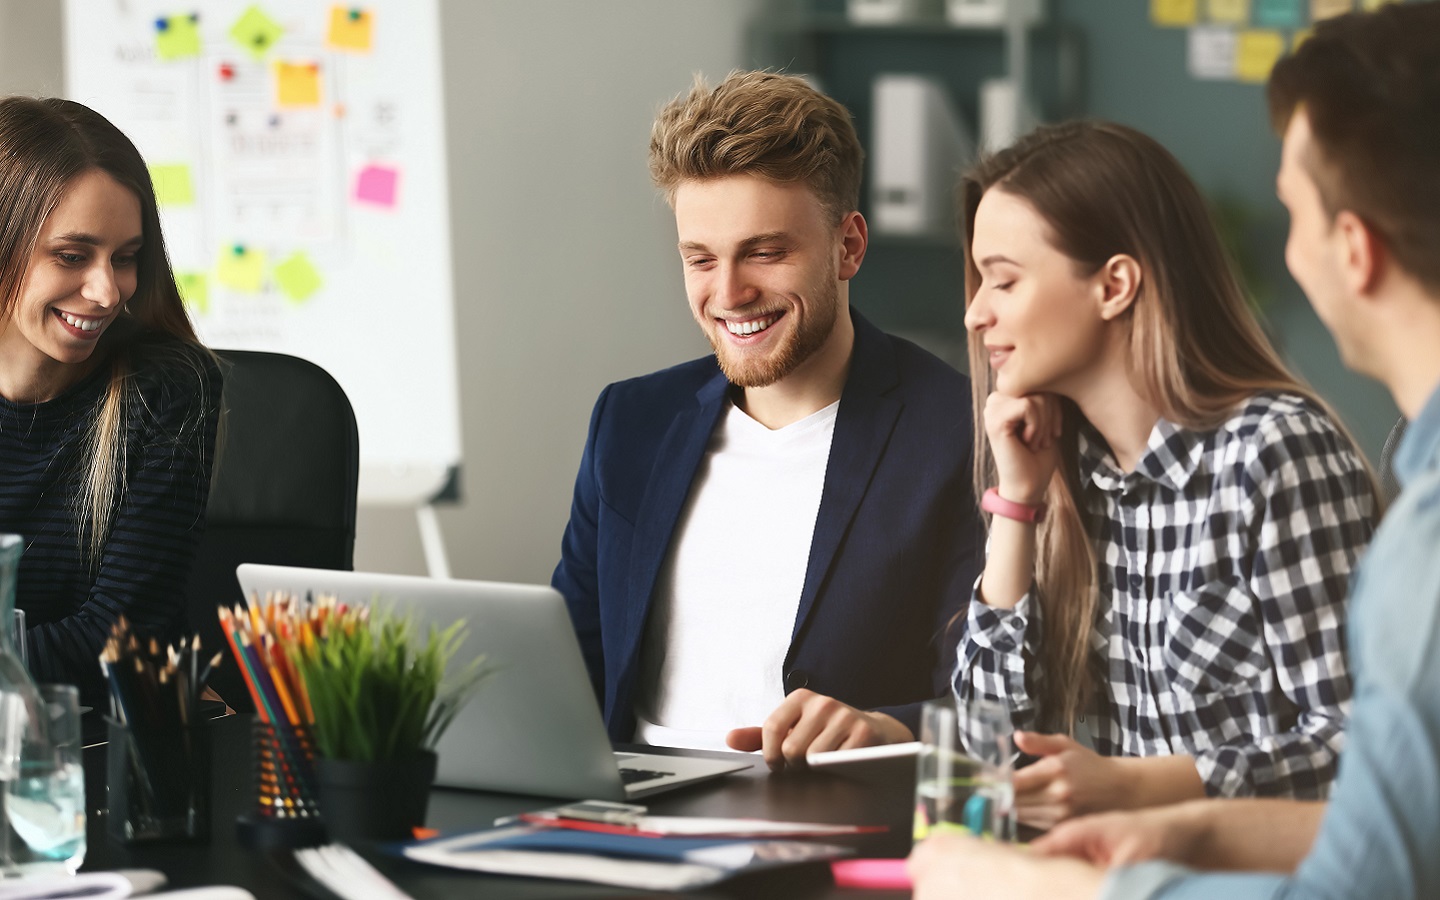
{"x":631,"y":776}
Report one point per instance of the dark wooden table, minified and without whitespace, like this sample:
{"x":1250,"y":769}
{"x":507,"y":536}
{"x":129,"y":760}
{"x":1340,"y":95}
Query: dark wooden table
{"x":883,"y":796}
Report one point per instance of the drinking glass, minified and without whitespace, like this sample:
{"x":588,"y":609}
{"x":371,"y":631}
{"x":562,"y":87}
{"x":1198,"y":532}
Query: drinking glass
{"x":45,"y":803}
{"x":956,"y":790}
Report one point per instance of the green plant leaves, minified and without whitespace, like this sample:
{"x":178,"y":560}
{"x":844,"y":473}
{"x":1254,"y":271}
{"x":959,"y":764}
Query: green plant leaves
{"x":378,"y":693}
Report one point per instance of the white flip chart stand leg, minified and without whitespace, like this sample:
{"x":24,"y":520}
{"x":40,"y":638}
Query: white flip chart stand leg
{"x":432,"y":541}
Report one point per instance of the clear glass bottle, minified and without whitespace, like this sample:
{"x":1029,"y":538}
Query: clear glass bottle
{"x":22,"y":723}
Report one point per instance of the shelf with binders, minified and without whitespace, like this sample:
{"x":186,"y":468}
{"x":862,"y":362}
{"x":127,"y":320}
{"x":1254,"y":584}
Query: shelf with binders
{"x":914,"y":282}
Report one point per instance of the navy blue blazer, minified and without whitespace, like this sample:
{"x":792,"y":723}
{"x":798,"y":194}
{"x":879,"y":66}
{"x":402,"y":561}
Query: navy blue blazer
{"x":897,"y":544}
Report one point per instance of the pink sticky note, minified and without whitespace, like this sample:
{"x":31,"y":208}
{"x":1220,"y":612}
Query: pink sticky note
{"x":871,"y":874}
{"x":376,"y":184}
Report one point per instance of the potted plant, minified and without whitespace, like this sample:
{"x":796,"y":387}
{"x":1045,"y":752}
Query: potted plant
{"x":379,"y":702}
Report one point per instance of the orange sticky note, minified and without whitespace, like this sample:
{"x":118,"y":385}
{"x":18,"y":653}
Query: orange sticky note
{"x":350,"y":29}
{"x":1256,"y":52}
{"x":297,"y":83}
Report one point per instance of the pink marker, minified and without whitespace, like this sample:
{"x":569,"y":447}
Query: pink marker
{"x":871,"y":874}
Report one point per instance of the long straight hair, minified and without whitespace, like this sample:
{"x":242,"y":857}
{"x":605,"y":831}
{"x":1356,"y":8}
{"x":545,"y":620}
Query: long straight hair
{"x":1196,"y":350}
{"x":45,"y":145}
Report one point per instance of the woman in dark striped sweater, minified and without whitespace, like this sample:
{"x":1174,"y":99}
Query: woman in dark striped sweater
{"x":108,"y":402}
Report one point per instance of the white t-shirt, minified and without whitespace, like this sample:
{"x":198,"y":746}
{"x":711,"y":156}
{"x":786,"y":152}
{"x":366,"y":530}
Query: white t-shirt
{"x":727,"y":595}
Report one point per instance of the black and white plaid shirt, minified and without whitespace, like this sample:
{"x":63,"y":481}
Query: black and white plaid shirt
{"x":1224,"y":563}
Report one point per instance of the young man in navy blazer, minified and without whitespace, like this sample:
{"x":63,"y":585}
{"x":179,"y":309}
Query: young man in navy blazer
{"x":768,"y":546}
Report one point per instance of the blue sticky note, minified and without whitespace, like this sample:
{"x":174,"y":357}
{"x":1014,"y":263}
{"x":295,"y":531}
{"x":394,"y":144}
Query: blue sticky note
{"x":1279,"y":13}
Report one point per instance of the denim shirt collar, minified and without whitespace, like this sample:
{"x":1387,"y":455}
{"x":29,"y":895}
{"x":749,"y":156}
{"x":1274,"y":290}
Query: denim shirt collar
{"x":1420,"y":446}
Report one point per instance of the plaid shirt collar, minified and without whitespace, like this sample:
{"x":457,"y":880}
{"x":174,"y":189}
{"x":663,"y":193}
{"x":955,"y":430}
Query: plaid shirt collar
{"x":1172,"y":456}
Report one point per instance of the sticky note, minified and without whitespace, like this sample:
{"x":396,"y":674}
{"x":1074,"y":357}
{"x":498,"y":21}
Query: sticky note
{"x":1256,"y":52}
{"x":241,"y":268}
{"x":194,"y":290}
{"x":173,"y":185}
{"x":1372,"y":5}
{"x":1279,"y":13}
{"x":1328,"y":9}
{"x":177,"y":37}
{"x":297,"y":84}
{"x":256,"y":32}
{"x":1300,"y":37}
{"x":1229,"y":12}
{"x":1210,"y":52}
{"x":376,"y":184}
{"x":297,"y":277}
{"x":1173,"y":13}
{"x":350,"y":29}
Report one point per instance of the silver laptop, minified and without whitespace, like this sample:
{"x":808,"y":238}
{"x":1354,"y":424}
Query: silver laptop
{"x":534,"y":726}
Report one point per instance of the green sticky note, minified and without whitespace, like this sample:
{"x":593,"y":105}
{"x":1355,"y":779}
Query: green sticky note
{"x":256,"y":32}
{"x":173,"y":185}
{"x":241,"y":268}
{"x":297,"y":277}
{"x":1279,"y":13}
{"x":177,"y":37}
{"x":194,"y":290}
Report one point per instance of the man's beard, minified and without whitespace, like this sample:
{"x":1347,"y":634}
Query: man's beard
{"x":744,"y":370}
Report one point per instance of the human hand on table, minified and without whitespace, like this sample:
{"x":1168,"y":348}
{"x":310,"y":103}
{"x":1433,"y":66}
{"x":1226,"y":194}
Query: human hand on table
{"x":1069,"y":780}
{"x":1124,"y":838}
{"x":807,"y":722}
{"x":961,"y":867}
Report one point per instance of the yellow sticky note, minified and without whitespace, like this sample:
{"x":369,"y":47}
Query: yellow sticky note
{"x":350,"y":29}
{"x":241,"y":268}
{"x":1173,"y":13}
{"x":177,"y":37}
{"x":1256,"y":53}
{"x":1300,"y":37}
{"x":297,"y":84}
{"x":297,"y":277}
{"x":1229,"y":12}
{"x":173,"y":185}
{"x":1372,"y":5}
{"x":194,"y":290}
{"x":256,"y":32}
{"x":1327,"y":9}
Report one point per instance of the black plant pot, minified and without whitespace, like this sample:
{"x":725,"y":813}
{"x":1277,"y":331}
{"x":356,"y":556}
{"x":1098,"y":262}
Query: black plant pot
{"x":375,"y":800}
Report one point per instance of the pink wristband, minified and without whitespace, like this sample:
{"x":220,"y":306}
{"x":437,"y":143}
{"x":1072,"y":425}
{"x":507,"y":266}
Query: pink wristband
{"x":992,"y":502}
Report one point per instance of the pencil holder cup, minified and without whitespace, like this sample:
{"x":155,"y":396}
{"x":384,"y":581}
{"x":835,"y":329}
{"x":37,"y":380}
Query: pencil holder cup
{"x":286,"y":813}
{"x":158,"y":783}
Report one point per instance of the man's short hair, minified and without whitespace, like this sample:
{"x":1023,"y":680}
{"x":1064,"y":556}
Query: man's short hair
{"x":776,"y":127}
{"x":1369,"y":84}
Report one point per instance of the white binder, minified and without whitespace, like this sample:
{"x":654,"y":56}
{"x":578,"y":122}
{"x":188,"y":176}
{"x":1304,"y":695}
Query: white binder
{"x":920,"y":146}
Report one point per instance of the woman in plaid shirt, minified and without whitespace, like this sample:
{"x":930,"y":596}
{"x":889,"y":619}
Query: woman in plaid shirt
{"x":1175,"y":515}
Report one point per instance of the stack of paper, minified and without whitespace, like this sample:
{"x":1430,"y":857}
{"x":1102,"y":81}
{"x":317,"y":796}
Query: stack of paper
{"x":622,"y":860}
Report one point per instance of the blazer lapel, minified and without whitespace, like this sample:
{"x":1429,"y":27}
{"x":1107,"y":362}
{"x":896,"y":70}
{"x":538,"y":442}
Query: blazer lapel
{"x":863,"y":426}
{"x":678,"y":459}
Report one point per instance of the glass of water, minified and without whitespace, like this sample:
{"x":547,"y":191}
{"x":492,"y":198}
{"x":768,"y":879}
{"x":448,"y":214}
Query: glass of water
{"x":963,"y":772}
{"x":45,"y":802}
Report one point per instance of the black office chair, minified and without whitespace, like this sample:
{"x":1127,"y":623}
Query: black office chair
{"x":282,"y":492}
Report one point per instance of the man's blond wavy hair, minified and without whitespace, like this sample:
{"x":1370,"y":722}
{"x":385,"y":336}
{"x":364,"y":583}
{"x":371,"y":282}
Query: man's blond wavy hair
{"x":776,"y":127}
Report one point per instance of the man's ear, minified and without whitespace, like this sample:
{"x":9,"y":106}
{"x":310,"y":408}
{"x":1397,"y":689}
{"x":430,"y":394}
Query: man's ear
{"x":1363,"y":253}
{"x":1117,"y":285}
{"x":854,"y":239}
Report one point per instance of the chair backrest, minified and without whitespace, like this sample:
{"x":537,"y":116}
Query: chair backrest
{"x":282,"y":491}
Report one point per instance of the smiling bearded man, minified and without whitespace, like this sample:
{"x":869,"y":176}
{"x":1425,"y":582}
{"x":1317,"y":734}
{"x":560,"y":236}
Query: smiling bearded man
{"x":767,"y":545}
